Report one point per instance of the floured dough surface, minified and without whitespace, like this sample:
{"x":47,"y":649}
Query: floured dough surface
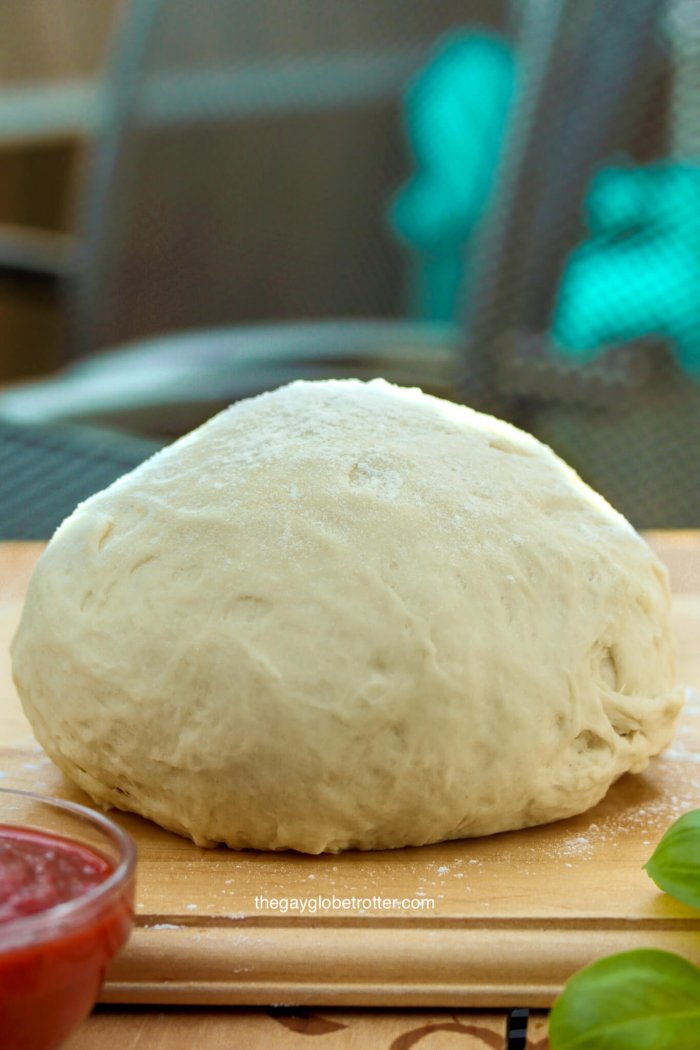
{"x":347,"y":615}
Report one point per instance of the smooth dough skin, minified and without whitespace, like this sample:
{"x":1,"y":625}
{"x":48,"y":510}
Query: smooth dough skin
{"x":348,"y":615}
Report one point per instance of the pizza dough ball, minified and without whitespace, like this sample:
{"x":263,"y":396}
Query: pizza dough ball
{"x":348,"y":615}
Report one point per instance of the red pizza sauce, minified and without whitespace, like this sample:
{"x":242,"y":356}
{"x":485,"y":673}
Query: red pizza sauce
{"x":51,"y":973}
{"x":38,"y":871}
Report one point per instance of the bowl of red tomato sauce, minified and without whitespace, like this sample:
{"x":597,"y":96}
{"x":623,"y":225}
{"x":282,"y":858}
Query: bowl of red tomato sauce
{"x":66,"y":908}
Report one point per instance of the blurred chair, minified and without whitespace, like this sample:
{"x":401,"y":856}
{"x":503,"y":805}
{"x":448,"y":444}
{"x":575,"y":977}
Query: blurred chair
{"x":241,"y":166}
{"x":164,"y":386}
{"x":599,"y":83}
{"x":592,"y":79}
{"x":46,"y":470}
{"x":240,"y":170}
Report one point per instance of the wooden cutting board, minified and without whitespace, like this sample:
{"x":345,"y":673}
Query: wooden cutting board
{"x":514,"y":915}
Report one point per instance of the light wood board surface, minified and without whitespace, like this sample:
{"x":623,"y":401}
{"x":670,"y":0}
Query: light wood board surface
{"x":515,"y":915}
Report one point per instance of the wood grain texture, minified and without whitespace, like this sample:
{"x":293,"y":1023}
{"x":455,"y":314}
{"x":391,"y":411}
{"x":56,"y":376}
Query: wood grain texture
{"x":514,"y":915}
{"x":222,"y":1029}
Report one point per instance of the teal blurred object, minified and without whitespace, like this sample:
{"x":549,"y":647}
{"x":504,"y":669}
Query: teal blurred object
{"x":455,"y":115}
{"x":639,"y":273}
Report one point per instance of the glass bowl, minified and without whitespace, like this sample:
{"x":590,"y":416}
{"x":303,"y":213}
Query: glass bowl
{"x":66,"y":907}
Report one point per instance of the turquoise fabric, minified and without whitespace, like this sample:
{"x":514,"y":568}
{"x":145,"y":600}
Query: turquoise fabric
{"x":638,"y":274}
{"x":455,"y":113}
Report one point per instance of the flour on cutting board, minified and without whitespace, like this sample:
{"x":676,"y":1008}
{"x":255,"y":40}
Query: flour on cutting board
{"x":646,"y":821}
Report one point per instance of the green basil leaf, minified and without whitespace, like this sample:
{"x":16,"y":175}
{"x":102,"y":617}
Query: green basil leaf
{"x":640,"y":1000}
{"x":675,"y":864}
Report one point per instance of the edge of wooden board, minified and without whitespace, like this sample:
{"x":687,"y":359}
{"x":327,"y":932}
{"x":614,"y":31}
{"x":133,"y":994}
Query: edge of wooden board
{"x":460,"y":964}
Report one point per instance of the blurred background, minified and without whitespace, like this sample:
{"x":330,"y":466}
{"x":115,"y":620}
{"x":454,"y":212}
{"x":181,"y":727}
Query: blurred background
{"x":495,"y":200}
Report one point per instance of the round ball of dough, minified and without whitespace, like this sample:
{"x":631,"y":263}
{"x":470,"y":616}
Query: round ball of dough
{"x":348,"y":615}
